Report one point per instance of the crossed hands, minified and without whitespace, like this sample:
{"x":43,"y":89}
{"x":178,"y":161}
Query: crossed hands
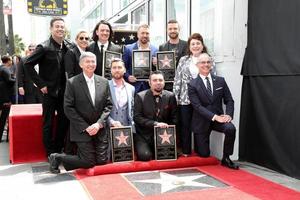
{"x":223,"y":118}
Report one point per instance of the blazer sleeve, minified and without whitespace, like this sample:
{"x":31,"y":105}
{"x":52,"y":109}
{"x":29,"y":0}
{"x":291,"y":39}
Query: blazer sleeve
{"x":70,"y":109}
{"x":139,"y":117}
{"x":20,"y":73}
{"x":70,"y":63}
{"x":107,"y":107}
{"x":228,"y":100}
{"x":196,"y":103}
{"x":127,"y":60}
{"x":31,"y":61}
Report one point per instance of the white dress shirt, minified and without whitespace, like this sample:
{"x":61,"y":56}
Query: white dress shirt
{"x":91,"y":85}
{"x":121,"y":94}
{"x":105,"y":45}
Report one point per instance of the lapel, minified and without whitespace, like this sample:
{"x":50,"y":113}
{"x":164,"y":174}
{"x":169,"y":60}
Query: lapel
{"x":150,"y":103}
{"x":203,"y":87}
{"x":215,"y":84}
{"x":85,"y":88}
{"x":113,"y":92}
{"x":98,"y":90}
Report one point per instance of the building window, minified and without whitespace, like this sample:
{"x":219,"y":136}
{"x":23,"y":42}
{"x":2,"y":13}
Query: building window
{"x":179,"y":10}
{"x":139,"y":16}
{"x":203,"y":21}
{"x":157,"y":22}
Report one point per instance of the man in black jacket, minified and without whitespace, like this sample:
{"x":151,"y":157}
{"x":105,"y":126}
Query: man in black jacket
{"x":51,"y":80}
{"x":6,"y":90}
{"x":152,"y":107}
{"x":26,"y":87}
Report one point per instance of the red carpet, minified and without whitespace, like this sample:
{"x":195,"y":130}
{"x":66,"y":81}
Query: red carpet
{"x":242,"y":185}
{"x":181,"y":162}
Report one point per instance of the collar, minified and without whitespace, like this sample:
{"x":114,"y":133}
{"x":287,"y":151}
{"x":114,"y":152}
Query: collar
{"x":203,"y":77}
{"x":80,"y":49}
{"x":105,"y":45}
{"x":115,"y":85}
{"x":140,"y":48}
{"x":87,"y":79}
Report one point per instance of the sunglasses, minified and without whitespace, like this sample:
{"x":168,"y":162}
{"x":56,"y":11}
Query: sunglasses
{"x":84,"y":38}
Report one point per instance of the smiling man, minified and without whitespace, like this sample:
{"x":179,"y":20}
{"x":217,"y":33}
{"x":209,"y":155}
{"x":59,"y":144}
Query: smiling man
{"x":152,"y":107}
{"x":102,"y":36}
{"x":51,"y":81}
{"x":87,"y":104}
{"x":207,"y":94}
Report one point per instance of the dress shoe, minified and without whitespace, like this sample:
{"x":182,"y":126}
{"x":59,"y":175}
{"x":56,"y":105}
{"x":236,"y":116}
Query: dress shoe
{"x":54,"y":163}
{"x":228,"y":163}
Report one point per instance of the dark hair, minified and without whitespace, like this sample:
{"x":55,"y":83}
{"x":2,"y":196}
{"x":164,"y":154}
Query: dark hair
{"x":95,"y":36}
{"x":156,"y":72}
{"x":172,"y":21}
{"x":5,"y":59}
{"x":54,"y":19}
{"x":199,"y":37}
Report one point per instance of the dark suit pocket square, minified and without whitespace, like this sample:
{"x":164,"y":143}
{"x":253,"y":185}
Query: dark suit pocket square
{"x":220,"y":88}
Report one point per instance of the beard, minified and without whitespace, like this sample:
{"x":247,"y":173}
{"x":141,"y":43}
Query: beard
{"x":173,"y":35}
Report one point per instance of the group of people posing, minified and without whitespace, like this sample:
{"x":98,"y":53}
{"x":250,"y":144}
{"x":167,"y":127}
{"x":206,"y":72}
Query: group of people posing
{"x":87,"y":104}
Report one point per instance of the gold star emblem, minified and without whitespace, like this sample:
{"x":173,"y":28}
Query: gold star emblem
{"x":166,"y":62}
{"x":122,"y":139}
{"x":165,"y":137}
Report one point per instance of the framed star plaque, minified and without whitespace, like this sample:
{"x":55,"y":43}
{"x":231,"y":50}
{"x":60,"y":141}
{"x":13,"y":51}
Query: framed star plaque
{"x":165,"y":143}
{"x":141,"y":64}
{"x":166,"y":63}
{"x":121,"y":144}
{"x":108,"y":56}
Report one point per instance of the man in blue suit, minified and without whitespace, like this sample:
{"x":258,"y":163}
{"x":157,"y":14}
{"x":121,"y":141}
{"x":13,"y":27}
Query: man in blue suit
{"x":207,"y":93}
{"x":143,"y":43}
{"x":122,"y":96}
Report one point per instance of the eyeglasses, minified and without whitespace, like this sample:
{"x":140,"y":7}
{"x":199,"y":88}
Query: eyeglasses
{"x":84,"y":38}
{"x":205,"y":62}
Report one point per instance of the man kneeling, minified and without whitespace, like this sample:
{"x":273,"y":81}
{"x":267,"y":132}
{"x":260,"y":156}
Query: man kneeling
{"x":87,"y":104}
{"x":152,"y":107}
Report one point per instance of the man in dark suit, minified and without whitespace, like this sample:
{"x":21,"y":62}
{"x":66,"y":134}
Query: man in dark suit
{"x":26,"y":87}
{"x":6,"y":91}
{"x":206,"y":93}
{"x":87,"y":104}
{"x":51,"y":80}
{"x":143,"y":43}
{"x":102,"y":36}
{"x":71,"y":59}
{"x":152,"y":107}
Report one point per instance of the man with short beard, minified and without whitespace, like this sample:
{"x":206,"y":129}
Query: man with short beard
{"x":152,"y":107}
{"x":174,"y":43}
{"x":143,"y":43}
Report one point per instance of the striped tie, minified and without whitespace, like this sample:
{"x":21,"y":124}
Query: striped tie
{"x":208,"y":86}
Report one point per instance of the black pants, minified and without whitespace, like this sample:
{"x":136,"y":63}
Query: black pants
{"x":186,"y":112}
{"x":4,"y":114}
{"x":144,"y":147}
{"x":202,"y":139}
{"x":33,"y":97}
{"x":50,"y":105}
{"x":89,"y":153}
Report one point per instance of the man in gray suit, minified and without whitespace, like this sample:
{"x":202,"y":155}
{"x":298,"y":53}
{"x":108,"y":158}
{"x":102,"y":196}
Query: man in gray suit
{"x":87,"y":104}
{"x":122,"y":96}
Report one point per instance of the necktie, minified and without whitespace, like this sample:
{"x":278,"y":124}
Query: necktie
{"x":208,"y":86}
{"x":101,"y":52}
